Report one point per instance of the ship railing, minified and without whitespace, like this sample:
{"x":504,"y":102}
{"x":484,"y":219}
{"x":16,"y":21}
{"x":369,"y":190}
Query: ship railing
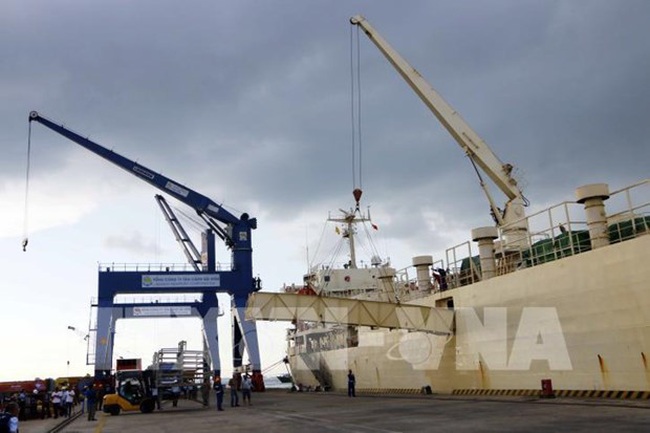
{"x":462,"y":266}
{"x":561,"y":230}
{"x":155,"y":267}
{"x":554,"y":233}
{"x":628,"y":213}
{"x":334,"y":265}
{"x":402,"y":284}
{"x":407,"y":287}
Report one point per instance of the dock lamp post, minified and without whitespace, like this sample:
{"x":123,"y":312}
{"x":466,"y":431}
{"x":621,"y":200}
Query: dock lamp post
{"x":73,"y":329}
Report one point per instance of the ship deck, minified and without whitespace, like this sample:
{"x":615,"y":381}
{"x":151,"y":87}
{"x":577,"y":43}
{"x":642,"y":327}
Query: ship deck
{"x":282,"y":411}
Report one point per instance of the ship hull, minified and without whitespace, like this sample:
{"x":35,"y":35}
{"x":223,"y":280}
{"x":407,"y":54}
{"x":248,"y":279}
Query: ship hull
{"x":583,"y":322}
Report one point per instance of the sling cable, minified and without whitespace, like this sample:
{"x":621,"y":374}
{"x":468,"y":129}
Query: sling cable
{"x":26,"y":211}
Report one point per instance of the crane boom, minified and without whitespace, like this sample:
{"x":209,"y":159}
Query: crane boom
{"x":465,"y":136}
{"x":207,"y":279}
{"x":203,"y":205}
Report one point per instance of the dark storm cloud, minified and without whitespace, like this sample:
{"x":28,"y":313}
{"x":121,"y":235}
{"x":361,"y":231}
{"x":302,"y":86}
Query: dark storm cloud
{"x":250,"y":101}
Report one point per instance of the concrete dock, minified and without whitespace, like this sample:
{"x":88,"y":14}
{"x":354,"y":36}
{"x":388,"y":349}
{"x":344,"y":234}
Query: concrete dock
{"x":281,"y":411}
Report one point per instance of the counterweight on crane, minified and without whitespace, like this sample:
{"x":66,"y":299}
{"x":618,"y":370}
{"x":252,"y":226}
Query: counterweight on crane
{"x":511,"y":219}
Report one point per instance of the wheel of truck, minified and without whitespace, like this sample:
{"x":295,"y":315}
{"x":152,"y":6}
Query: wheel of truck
{"x":147,"y":406}
{"x":115,"y":410}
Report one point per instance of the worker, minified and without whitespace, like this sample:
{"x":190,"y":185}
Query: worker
{"x":156,"y":396}
{"x":176,"y":392}
{"x":234,"y":395}
{"x":246,"y":387}
{"x":57,"y":396}
{"x":352,"y":381}
{"x":9,"y":419}
{"x":91,"y":401}
{"x":218,"y":389}
{"x":205,"y":391}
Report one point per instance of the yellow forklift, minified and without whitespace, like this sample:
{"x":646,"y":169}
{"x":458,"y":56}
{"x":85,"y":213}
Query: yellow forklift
{"x":132,"y":392}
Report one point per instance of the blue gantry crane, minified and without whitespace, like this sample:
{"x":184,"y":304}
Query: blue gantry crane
{"x":238,"y":281}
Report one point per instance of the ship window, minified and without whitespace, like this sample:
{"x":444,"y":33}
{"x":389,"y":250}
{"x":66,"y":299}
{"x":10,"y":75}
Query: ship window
{"x":327,"y":278}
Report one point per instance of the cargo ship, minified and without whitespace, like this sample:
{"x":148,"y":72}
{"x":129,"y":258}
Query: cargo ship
{"x":558,"y":299}
{"x":573,"y":308}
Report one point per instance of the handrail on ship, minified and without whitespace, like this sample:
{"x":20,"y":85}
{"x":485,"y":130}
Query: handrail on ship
{"x":556,"y":232}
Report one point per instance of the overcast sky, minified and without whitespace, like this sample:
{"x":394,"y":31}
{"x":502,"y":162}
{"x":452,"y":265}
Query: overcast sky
{"x":248,"y":102}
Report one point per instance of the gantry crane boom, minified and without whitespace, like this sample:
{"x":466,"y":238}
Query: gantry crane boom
{"x":464,"y":135}
{"x":203,"y":205}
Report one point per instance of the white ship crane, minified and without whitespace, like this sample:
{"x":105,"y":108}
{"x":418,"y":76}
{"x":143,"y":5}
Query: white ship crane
{"x":511,"y":219}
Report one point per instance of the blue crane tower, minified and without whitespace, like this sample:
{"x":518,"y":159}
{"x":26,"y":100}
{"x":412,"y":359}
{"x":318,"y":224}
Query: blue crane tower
{"x":206,"y":279}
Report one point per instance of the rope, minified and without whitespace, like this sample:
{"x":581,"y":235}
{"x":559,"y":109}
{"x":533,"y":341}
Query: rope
{"x":355,"y":103}
{"x":318,"y":246}
{"x":352,"y":120}
{"x":197,"y":225}
{"x":272,"y":366}
{"x":26,"y":211}
{"x":359,"y":107}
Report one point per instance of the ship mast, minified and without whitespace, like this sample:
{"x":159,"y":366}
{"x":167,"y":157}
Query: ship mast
{"x":351,"y":233}
{"x":350,"y":219}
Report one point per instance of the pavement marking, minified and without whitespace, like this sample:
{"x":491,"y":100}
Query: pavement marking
{"x":100,"y":424}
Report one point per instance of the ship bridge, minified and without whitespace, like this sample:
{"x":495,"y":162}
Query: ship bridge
{"x":347,"y":311}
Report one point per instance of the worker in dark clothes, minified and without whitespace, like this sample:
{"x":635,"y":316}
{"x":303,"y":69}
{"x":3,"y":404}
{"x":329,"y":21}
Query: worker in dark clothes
{"x":218,"y":389}
{"x":352,"y":381}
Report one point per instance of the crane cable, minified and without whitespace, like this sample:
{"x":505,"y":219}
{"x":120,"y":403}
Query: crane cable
{"x":355,"y":103}
{"x":26,"y":211}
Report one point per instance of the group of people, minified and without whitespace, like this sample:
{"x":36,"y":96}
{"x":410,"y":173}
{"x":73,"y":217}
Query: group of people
{"x":236,"y":383}
{"x":64,"y":401}
{"x":58,"y":403}
{"x":43,"y":404}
